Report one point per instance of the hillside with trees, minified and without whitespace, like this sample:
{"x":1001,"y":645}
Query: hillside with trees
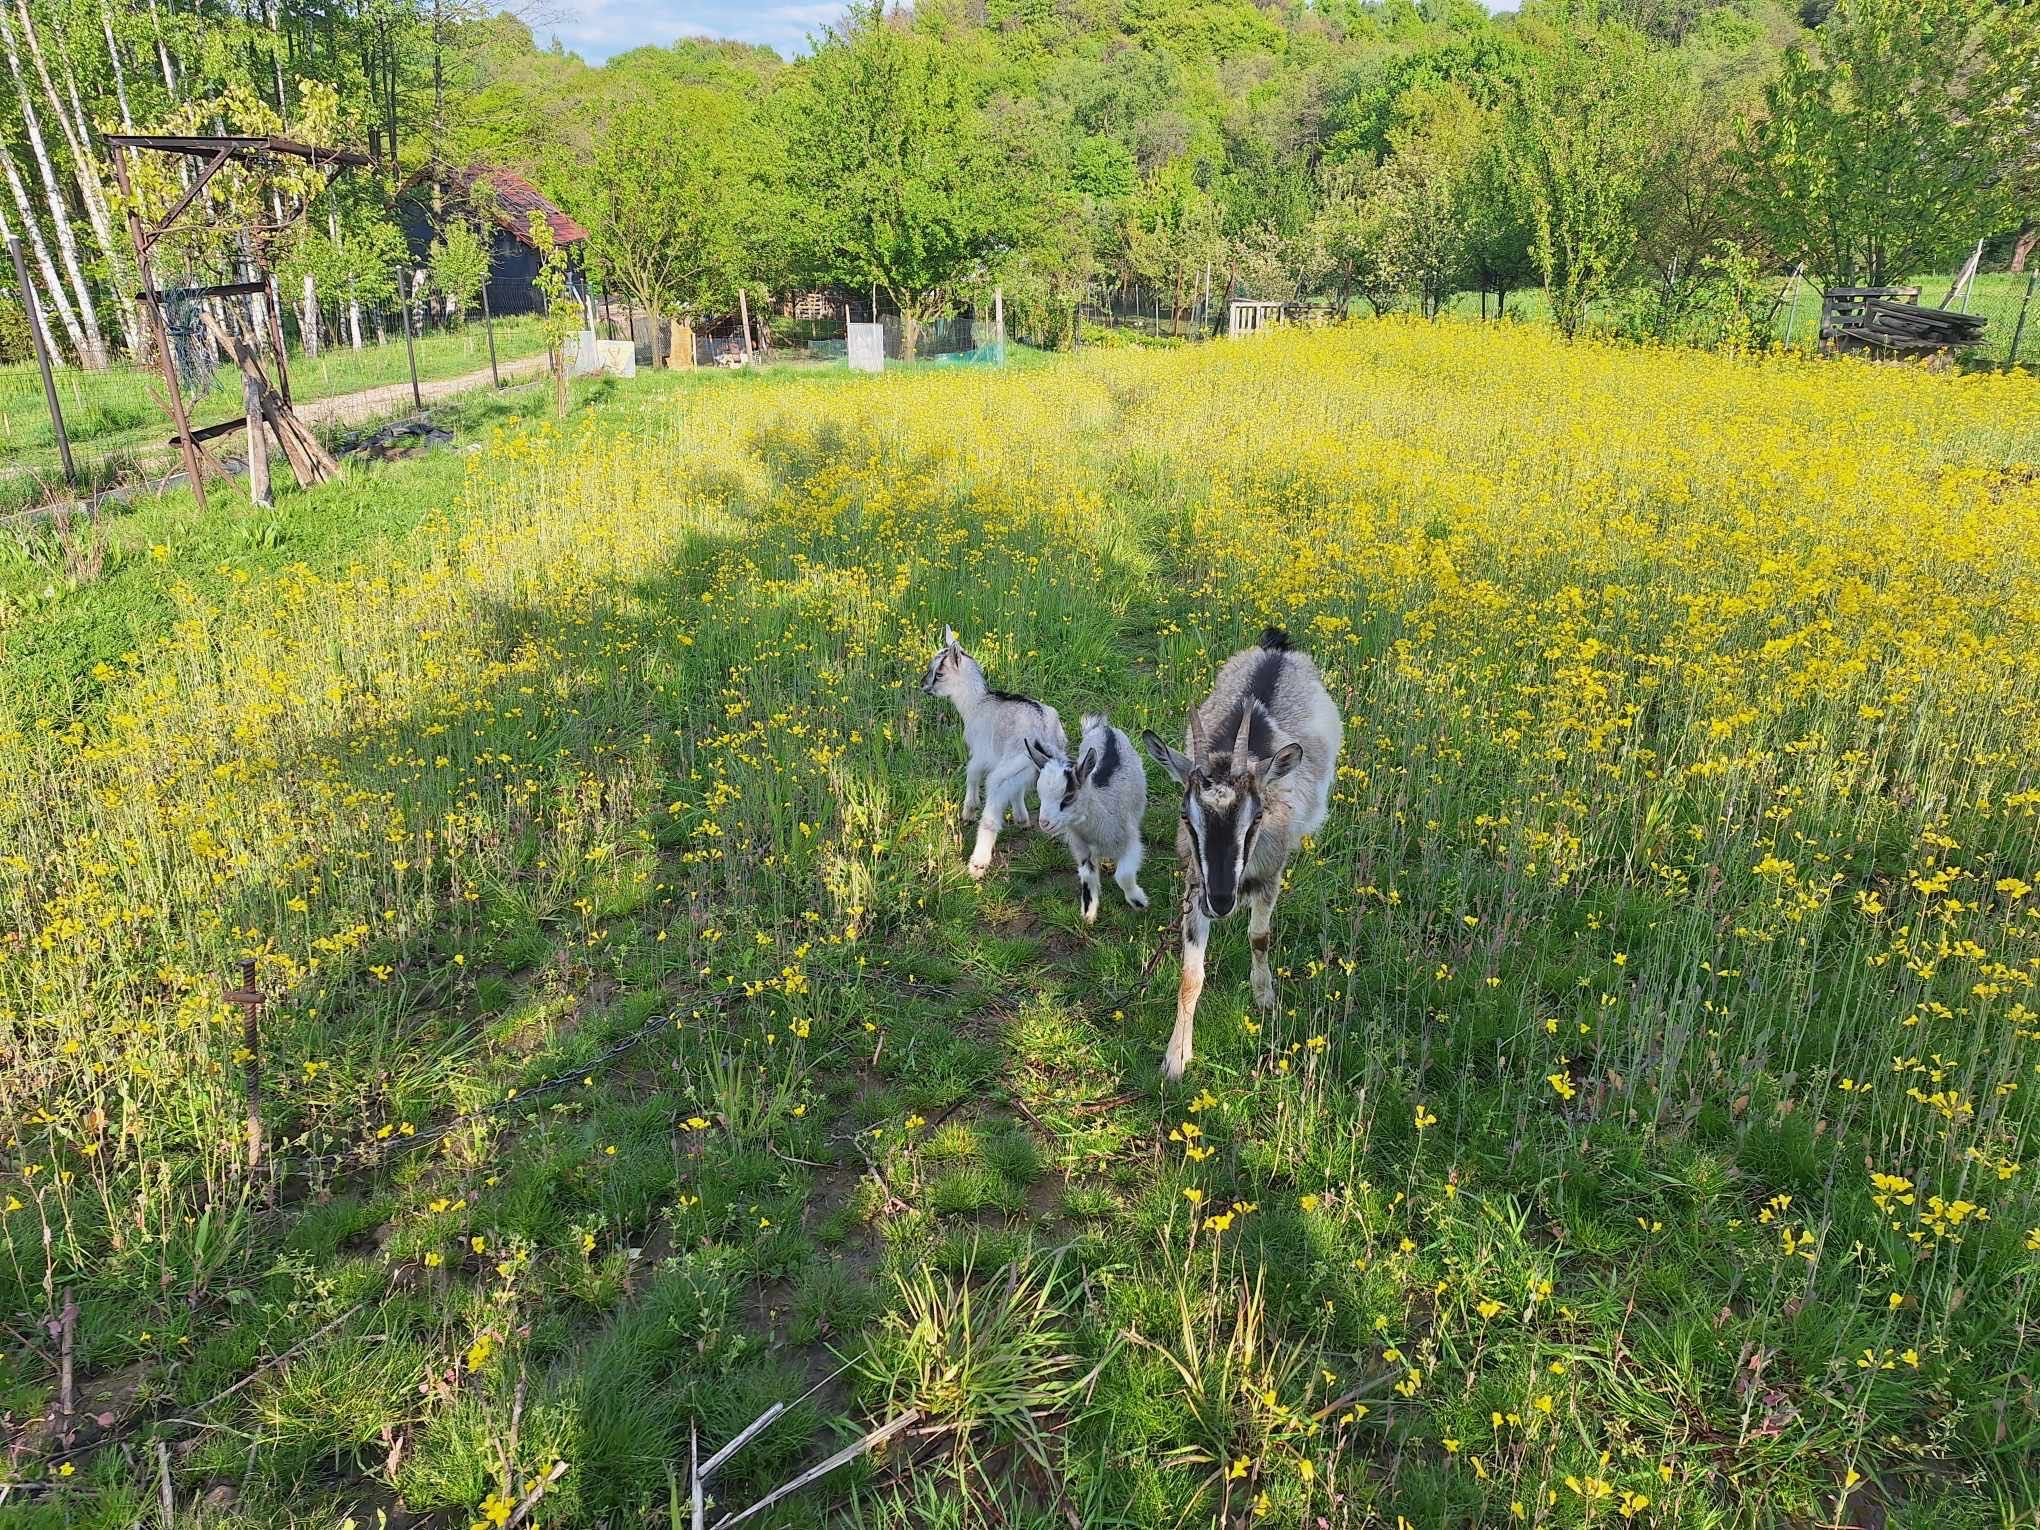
{"x":1636,"y":160}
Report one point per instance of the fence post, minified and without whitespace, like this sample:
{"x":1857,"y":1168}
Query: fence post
{"x":2019,"y":329}
{"x":744,"y":307}
{"x":489,"y":324}
{"x":33,"y":311}
{"x":411,"y":352}
{"x":248,"y":999}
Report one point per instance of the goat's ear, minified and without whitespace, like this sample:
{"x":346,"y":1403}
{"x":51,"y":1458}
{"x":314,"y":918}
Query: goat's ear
{"x":1174,"y":762}
{"x":949,"y":636}
{"x":1037,"y":753}
{"x":1086,"y":765}
{"x":1280,"y":763}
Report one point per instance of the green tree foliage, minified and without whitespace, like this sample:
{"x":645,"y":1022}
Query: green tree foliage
{"x":677,"y":208}
{"x":1426,"y":190}
{"x":1894,"y":137}
{"x":460,"y":264}
{"x":559,"y":312}
{"x":1172,"y":237}
{"x":1580,"y":133}
{"x":892,"y":176}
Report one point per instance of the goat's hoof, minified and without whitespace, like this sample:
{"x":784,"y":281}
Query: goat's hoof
{"x":1135,"y":898}
{"x":1091,"y":914}
{"x":977,"y":870}
{"x":1264,"y":995}
{"x":1172,"y":1068}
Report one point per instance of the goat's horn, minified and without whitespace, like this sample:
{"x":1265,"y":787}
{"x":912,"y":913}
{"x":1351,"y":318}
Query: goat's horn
{"x":1239,"y":746}
{"x":1196,"y":743}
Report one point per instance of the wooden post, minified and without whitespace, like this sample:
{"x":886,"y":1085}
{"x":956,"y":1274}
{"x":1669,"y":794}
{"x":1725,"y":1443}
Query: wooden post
{"x":249,"y":1000}
{"x":33,"y":311}
{"x":275,"y":307}
{"x":744,"y":308}
{"x":258,"y":444}
{"x":251,"y":400}
{"x":999,"y":319}
{"x":411,"y":354}
{"x":154,"y":304}
{"x":489,"y":324}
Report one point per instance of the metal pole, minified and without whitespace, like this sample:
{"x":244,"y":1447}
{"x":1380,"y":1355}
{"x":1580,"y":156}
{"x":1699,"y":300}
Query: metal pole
{"x":2018,"y":330}
{"x":33,"y":310}
{"x":154,"y":303}
{"x":411,"y":352}
{"x":489,"y":324}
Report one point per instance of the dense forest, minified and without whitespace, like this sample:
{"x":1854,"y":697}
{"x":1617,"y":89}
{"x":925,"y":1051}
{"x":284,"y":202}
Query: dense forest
{"x":1645,"y":163}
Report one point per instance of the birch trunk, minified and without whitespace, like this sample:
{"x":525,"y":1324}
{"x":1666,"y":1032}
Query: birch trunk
{"x":92,"y":355}
{"x":308,"y":322}
{"x":127,"y":117}
{"x":51,"y":286}
{"x":163,"y":52}
{"x":78,"y":139}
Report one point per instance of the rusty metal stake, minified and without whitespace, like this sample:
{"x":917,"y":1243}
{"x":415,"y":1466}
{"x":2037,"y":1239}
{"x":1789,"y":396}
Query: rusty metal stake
{"x":249,"y":998}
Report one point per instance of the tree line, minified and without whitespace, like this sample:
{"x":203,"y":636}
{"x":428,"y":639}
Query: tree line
{"x":1642,"y":162}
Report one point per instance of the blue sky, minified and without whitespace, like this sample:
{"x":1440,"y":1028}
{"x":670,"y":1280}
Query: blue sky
{"x":597,"y":29}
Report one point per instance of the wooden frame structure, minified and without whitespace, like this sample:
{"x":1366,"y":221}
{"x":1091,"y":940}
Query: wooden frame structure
{"x":310,"y":460}
{"x":1890,"y":320}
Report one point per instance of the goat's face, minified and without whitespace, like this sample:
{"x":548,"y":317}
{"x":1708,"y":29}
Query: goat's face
{"x":946,"y":669}
{"x":1060,"y":783}
{"x":1224,"y":808}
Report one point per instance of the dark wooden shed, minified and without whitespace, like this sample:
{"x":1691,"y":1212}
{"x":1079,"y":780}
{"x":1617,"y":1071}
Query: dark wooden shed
{"x":501,"y":202}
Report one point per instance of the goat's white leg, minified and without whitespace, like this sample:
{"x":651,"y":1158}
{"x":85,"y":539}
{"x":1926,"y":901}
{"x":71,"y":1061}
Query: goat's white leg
{"x":1008,"y":781}
{"x":1260,"y":935}
{"x":1196,"y":932}
{"x":1127,"y":873}
{"x":1090,"y":890}
{"x":973,"y":785}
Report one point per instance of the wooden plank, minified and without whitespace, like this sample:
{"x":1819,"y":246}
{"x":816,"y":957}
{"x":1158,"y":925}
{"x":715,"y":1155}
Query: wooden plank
{"x":230,"y":289}
{"x":231,"y":144}
{"x":214,"y":432}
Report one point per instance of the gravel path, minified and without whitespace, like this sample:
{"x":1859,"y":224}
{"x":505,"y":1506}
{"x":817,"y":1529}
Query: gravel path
{"x":395,"y":398}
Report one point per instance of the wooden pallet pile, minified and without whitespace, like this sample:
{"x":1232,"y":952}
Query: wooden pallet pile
{"x":1890,"y":319}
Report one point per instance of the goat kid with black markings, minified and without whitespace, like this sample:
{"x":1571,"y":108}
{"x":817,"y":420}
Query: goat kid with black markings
{"x":997,"y":728}
{"x":1095,"y":807}
{"x":1263,"y":753}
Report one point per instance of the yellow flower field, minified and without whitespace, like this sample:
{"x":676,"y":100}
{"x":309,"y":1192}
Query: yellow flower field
{"x":1644,"y":1135}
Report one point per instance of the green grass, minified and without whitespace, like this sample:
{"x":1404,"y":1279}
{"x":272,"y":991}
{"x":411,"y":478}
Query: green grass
{"x":117,"y":415}
{"x":750,"y":1096}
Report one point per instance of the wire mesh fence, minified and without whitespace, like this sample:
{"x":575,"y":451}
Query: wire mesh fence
{"x":809,"y":330}
{"x":117,"y":419}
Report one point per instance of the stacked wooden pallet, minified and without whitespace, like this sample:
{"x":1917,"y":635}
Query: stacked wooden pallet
{"x":1891,"y":319}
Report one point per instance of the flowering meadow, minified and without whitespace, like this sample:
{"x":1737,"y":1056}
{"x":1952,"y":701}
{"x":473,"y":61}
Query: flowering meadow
{"x":1646,"y":1133}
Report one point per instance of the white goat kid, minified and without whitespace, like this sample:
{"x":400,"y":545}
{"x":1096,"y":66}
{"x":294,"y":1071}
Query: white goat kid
{"x":1263,"y":752}
{"x":997,"y":728}
{"x":1095,"y":808}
